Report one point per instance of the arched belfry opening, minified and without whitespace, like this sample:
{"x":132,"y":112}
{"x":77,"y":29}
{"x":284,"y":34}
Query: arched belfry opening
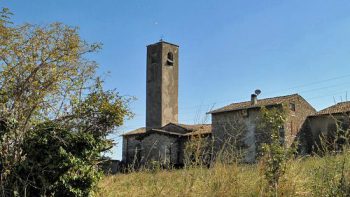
{"x":170,"y":59}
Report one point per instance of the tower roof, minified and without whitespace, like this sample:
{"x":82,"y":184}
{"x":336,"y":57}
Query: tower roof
{"x":163,"y":42}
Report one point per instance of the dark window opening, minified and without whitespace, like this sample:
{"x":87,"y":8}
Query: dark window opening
{"x":281,"y":135}
{"x":292,"y":106}
{"x":170,"y":59}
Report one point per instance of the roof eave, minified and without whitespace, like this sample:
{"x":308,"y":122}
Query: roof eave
{"x":243,"y":108}
{"x":329,"y":114}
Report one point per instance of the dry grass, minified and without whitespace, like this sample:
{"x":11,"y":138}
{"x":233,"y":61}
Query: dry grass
{"x":312,"y":176}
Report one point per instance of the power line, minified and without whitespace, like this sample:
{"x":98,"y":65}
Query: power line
{"x":310,"y":98}
{"x":315,"y":82}
{"x":278,"y":91}
{"x":207,"y":106}
{"x":197,"y":107}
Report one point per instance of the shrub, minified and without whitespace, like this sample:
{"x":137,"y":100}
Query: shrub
{"x":274,"y":152}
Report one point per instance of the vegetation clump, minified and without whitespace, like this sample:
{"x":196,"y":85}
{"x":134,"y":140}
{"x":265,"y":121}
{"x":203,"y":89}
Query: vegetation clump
{"x":54,"y":113}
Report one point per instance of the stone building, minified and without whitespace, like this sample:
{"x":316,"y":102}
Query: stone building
{"x":330,"y":124}
{"x":163,"y":139}
{"x":165,"y":145}
{"x":238,"y":122}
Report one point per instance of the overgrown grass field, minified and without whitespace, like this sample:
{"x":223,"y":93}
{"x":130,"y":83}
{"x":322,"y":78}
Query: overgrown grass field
{"x":312,"y":176}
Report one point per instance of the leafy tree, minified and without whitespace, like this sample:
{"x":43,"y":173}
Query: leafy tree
{"x":54,"y":113}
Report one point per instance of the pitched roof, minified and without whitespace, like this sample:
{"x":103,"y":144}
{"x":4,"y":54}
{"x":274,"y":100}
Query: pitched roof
{"x":341,"y":107}
{"x":206,"y":129}
{"x":164,"y":132}
{"x":260,"y":103}
{"x":196,"y":129}
{"x":136,"y":131}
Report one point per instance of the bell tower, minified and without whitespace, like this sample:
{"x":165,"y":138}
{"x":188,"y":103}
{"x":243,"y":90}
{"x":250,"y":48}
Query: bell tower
{"x":162,"y":84}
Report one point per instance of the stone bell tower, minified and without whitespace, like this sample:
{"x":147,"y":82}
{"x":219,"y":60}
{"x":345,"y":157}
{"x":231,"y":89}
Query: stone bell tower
{"x":162,"y":84}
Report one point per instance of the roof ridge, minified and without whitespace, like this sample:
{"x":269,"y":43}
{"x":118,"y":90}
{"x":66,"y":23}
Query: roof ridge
{"x":336,"y":108}
{"x":222,"y":109}
{"x":191,"y":124}
{"x":343,"y":102}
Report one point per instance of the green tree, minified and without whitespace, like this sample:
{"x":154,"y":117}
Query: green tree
{"x":274,"y":152}
{"x":54,"y":112}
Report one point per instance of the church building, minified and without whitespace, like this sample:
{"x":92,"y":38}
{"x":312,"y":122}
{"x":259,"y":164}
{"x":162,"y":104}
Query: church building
{"x":163,"y":139}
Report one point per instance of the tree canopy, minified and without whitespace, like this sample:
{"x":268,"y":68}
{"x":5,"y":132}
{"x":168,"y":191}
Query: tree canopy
{"x":54,"y":113}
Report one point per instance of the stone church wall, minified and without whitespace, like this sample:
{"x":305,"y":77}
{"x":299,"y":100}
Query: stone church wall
{"x":160,"y":148}
{"x":131,"y":148}
{"x":234,"y":129}
{"x":322,"y":126}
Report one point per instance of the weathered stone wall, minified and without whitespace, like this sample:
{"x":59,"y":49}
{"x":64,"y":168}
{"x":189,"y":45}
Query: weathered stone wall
{"x":296,"y":119}
{"x":242,"y":124}
{"x":316,"y":127}
{"x":162,"y":85}
{"x":131,"y":148}
{"x":170,"y":79}
{"x":154,"y":87}
{"x":161,"y":148}
{"x":236,"y":127}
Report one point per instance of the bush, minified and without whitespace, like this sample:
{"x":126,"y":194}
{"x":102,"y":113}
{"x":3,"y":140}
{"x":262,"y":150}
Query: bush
{"x":58,"y":162}
{"x":274,"y":152}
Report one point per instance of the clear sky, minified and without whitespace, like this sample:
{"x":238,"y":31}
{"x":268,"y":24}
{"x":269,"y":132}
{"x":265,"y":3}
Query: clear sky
{"x":227,"y":48}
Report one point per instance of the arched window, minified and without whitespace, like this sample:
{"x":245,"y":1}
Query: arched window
{"x":170,"y":59}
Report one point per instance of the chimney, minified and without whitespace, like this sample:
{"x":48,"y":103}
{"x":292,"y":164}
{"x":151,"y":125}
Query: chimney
{"x":254,"y":99}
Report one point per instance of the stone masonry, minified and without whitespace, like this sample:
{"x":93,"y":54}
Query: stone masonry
{"x":162,"y":84}
{"x":239,"y":120}
{"x":163,"y":139}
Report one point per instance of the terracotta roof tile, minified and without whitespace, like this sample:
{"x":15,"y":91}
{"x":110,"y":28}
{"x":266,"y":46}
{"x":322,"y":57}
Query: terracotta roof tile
{"x":196,"y":127}
{"x":260,"y":103}
{"x":192,"y":130}
{"x":342,"y":107}
{"x":138,"y":131}
{"x":164,"y":131}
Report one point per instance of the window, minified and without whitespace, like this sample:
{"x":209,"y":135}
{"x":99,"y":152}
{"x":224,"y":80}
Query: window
{"x":292,"y":106}
{"x":170,"y":59}
{"x":282,"y":135}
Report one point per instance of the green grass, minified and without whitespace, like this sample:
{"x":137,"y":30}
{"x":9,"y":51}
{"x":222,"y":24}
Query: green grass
{"x":313,"y":176}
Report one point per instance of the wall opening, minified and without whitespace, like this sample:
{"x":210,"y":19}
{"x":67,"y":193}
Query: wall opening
{"x":170,"y":59}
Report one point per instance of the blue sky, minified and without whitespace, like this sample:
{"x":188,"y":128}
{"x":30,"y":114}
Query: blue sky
{"x":227,"y":48}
